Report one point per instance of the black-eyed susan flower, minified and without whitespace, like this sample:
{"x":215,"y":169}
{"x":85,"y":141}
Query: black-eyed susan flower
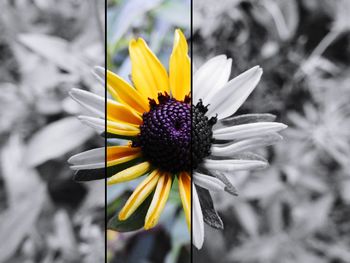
{"x":172,"y":138}
{"x":226,"y":140}
{"x":154,"y":115}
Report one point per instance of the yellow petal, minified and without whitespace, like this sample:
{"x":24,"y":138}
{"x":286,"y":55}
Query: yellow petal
{"x":123,"y":126}
{"x":148,"y":74}
{"x":122,"y":129}
{"x":180,"y":68}
{"x":121,"y":154}
{"x":119,"y":112}
{"x":123,"y":92}
{"x":143,"y":190}
{"x":159,"y":199}
{"x":185,"y":194}
{"x":130,"y":173}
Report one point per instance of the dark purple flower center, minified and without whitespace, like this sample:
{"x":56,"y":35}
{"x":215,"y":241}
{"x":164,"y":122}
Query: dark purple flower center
{"x":165,"y":137}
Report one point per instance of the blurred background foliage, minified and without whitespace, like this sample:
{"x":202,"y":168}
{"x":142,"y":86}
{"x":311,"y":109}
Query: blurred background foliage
{"x":155,"y":21}
{"x":298,"y":210}
{"x":48,"y":47}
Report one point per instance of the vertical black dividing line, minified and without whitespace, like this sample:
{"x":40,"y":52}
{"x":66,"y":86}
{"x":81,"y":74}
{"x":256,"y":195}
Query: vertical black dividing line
{"x":105,"y":39}
{"x":191,"y":55}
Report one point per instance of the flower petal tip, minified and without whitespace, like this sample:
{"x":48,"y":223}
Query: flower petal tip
{"x":121,"y":216}
{"x":73,"y":92}
{"x":71,"y":159}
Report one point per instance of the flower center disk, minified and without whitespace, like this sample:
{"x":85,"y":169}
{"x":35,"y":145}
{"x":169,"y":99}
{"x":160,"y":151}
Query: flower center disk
{"x":202,"y":134}
{"x":165,"y":137}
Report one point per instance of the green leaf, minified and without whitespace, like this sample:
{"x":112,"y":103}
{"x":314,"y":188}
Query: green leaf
{"x":174,"y":196}
{"x":134,"y":222}
{"x":117,"y":204}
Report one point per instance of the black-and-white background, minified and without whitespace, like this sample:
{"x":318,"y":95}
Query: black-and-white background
{"x":298,"y":210}
{"x":48,"y":47}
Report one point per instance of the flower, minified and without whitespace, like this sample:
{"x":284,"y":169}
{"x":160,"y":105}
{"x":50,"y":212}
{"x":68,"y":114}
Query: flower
{"x":228,"y":139}
{"x":155,"y":117}
{"x":172,"y":137}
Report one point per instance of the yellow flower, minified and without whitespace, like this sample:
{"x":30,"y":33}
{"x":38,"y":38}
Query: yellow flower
{"x":154,"y":114}
{"x":170,"y":138}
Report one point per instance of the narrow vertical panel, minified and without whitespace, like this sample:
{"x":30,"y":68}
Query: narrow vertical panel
{"x":231,"y":124}
{"x":148,"y":131}
{"x":48,"y":50}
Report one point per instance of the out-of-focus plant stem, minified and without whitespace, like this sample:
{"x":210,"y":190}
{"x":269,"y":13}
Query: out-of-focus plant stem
{"x":307,"y":66}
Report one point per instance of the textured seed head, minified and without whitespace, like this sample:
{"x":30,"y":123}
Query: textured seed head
{"x":166,"y":131}
{"x":202,"y":135}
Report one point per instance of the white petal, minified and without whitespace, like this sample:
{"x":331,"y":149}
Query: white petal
{"x":93,"y":103}
{"x":230,"y":148}
{"x":247,"y":130}
{"x":231,"y":165}
{"x":91,"y":159}
{"x":226,"y":101}
{"x":198,"y":222}
{"x":210,"y":78}
{"x":95,"y":123}
{"x":208,"y":182}
{"x":100,"y":74}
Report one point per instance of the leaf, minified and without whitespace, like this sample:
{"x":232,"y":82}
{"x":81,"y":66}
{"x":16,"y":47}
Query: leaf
{"x":117,"y":190}
{"x":130,"y":11}
{"x":174,"y":196}
{"x":280,"y":17}
{"x":260,"y":249}
{"x":56,"y":139}
{"x":210,"y":215}
{"x":174,"y":12}
{"x":20,"y":180}
{"x":64,"y":236}
{"x":345,"y":191}
{"x":134,"y":222}
{"x":26,"y":194}
{"x":19,"y":220}
{"x":262,"y":187}
{"x":247,"y":217}
{"x":89,"y":175}
{"x":54,"y":49}
{"x":95,"y":197}
{"x":311,"y":216}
